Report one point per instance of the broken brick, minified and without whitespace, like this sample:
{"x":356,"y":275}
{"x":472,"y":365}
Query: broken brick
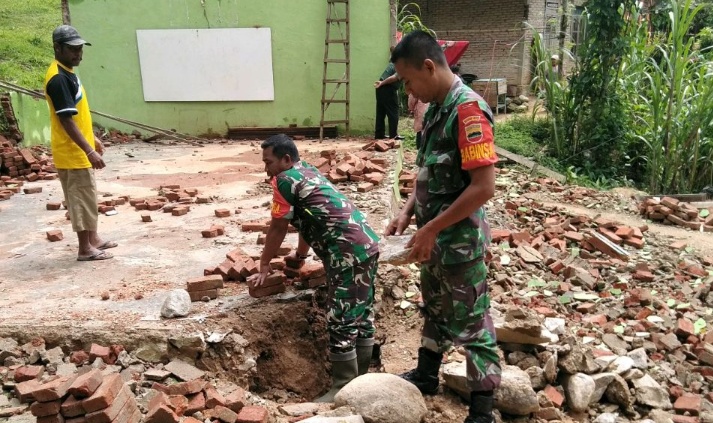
{"x":236,"y":400}
{"x":85,"y":385}
{"x":55,"y":235}
{"x":252,"y":414}
{"x":72,"y":407}
{"x":123,"y":403}
{"x":684,"y":327}
{"x":26,"y":373}
{"x":555,"y":397}
{"x":43,"y":409}
{"x":222,"y":213}
{"x":196,"y":402}
{"x":690,"y":403}
{"x":53,"y":390}
{"x":103,"y":397}
{"x":99,"y":351}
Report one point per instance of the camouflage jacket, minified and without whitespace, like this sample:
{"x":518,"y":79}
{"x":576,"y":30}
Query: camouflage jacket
{"x":337,"y":232}
{"x":457,"y":137}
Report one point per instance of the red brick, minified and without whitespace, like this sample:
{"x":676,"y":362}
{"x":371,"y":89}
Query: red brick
{"x":190,"y":420}
{"x":586,"y":307}
{"x":335,"y":177}
{"x":79,"y":357}
{"x":224,"y":414}
{"x":179,"y":404}
{"x":598,"y":319}
{"x":372,"y":167}
{"x":645,"y":276}
{"x":125,"y":400}
{"x":517,"y":238}
{"x":554,"y":396}
{"x":204,"y":283}
{"x":556,"y":267}
{"x":196,"y":402}
{"x":184,"y":388}
{"x":53,"y":390}
{"x":55,"y":235}
{"x":683,"y":419}
{"x":72,"y":407}
{"x":199,"y":295}
{"x":145,"y":217}
{"x":220,"y":229}
{"x":209,"y":233}
{"x":213,"y":397}
{"x":161,"y":414}
{"x":236,"y":400}
{"x":624,"y":232}
{"x":86,"y":384}
{"x":54,"y":205}
{"x":313,"y":283}
{"x":42,"y":409}
{"x":32,"y":190}
{"x":55,"y":418}
{"x":498,"y":235}
{"x":678,"y":245}
{"x":381,"y":146}
{"x":312,"y":271}
{"x":684,"y":327}
{"x":103,"y":397}
{"x":265,"y":291}
{"x":374,"y":178}
{"x":179,"y":211}
{"x":252,"y":414}
{"x":275,"y":279}
{"x":365,"y":187}
{"x":99,"y":351}
{"x":222,"y":213}
{"x":26,"y":373}
{"x":574,"y":236}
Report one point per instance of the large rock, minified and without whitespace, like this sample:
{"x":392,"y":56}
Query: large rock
{"x":537,"y":377}
{"x":578,"y":389}
{"x":383,"y":398}
{"x":650,"y":393}
{"x":515,"y":395}
{"x":601,"y":383}
{"x":621,"y":365}
{"x":577,"y":361}
{"x":618,"y":393}
{"x":616,"y":344}
{"x":177,"y":304}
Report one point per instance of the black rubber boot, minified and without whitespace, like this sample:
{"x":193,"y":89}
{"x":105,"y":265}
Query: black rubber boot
{"x":425,"y":375}
{"x":364,"y":349}
{"x":481,"y":408}
{"x":344,"y":369}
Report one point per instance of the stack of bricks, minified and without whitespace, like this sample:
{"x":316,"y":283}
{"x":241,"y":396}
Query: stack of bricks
{"x":110,"y":205}
{"x":407,"y":183}
{"x":175,"y":403}
{"x":275,"y":283}
{"x":204,"y":287}
{"x":21,"y":162}
{"x":87,"y":398}
{"x":670,"y":211}
{"x":361,"y":167}
{"x":381,"y":145}
{"x":236,"y":267}
{"x":303,"y":275}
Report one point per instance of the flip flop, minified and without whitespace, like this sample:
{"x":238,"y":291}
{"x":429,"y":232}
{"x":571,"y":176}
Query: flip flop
{"x":107,"y":245}
{"x":103,"y":255}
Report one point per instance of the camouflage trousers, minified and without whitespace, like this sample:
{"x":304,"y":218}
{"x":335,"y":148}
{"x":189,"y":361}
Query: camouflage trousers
{"x":350,"y":303}
{"x":457,"y":313}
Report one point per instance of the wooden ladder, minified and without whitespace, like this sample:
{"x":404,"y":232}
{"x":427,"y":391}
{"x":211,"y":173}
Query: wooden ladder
{"x":336,"y":87}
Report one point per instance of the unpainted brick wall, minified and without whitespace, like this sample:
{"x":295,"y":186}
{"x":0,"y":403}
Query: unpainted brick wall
{"x":499,"y":40}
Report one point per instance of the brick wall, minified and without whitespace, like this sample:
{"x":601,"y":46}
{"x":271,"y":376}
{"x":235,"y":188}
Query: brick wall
{"x":499,"y":41}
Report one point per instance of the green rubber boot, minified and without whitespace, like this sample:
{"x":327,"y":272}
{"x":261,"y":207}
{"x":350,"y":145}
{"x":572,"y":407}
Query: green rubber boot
{"x":344,"y":369}
{"x":364,"y":349}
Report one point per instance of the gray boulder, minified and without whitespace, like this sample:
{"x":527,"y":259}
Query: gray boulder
{"x":177,"y":304}
{"x":383,"y":398}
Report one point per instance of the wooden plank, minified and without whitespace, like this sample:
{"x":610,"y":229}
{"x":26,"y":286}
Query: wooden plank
{"x":265,"y":132}
{"x":530,"y":164}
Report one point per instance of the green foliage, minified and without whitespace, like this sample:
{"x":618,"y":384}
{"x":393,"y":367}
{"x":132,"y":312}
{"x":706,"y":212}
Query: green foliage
{"x":523,"y":136}
{"x":26,"y":40}
{"x":409,"y":19}
{"x":705,"y":40}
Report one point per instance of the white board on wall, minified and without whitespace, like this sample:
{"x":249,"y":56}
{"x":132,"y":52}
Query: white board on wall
{"x":231,"y":64}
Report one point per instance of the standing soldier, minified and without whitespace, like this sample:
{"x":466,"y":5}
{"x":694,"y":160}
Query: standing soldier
{"x":455,"y":180}
{"x":338,"y":233}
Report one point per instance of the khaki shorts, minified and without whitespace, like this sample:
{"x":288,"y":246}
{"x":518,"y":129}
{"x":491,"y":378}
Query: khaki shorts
{"x":80,"y":193}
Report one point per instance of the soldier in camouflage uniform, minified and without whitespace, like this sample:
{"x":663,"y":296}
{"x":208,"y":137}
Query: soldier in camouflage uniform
{"x":456,"y":178}
{"x":338,"y":233}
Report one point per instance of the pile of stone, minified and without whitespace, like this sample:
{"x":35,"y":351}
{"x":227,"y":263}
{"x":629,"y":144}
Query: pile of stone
{"x":670,"y":211}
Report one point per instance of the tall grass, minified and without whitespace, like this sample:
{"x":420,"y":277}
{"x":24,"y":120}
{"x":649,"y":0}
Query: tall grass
{"x":670,"y":90}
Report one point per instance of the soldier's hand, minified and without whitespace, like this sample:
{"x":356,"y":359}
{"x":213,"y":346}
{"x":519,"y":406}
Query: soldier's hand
{"x":398,"y":225}
{"x":422,"y":244}
{"x":259,"y":278}
{"x":96,"y":160}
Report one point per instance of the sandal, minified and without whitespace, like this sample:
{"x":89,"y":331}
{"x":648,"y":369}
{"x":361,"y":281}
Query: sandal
{"x":102,"y":255}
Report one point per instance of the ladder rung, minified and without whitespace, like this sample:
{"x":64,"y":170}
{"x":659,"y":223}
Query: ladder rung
{"x":337,"y":1}
{"x":336,"y":81}
{"x":335,"y":101}
{"x":339,"y":41}
{"x":336,"y":61}
{"x":330,"y":122}
{"x":337,"y":20}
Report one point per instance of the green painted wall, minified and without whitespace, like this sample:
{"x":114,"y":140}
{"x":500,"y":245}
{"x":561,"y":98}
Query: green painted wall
{"x":111,"y":74}
{"x":33,"y":118}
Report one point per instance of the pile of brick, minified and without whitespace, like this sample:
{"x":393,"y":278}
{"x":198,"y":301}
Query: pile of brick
{"x":107,"y":385}
{"x":407,"y":182}
{"x":171,"y":199}
{"x":360,"y":167}
{"x":381,"y":145}
{"x":89,"y":397}
{"x":236,"y":267}
{"x":21,"y":162}
{"x":670,"y":211}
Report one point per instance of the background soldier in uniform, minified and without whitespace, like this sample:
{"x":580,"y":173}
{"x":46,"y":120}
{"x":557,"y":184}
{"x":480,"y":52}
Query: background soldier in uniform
{"x":338,"y":233}
{"x":456,"y":178}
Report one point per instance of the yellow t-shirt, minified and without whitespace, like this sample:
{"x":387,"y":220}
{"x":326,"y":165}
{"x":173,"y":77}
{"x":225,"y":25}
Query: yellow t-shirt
{"x":65,"y":95}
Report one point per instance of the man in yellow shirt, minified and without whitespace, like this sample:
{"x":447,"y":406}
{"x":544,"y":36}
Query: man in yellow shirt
{"x":75,"y":151}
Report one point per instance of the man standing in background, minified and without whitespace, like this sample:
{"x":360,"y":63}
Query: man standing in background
{"x":74,"y":150}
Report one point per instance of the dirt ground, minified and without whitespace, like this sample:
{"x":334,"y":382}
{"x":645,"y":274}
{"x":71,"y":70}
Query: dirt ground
{"x":45,"y":291}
